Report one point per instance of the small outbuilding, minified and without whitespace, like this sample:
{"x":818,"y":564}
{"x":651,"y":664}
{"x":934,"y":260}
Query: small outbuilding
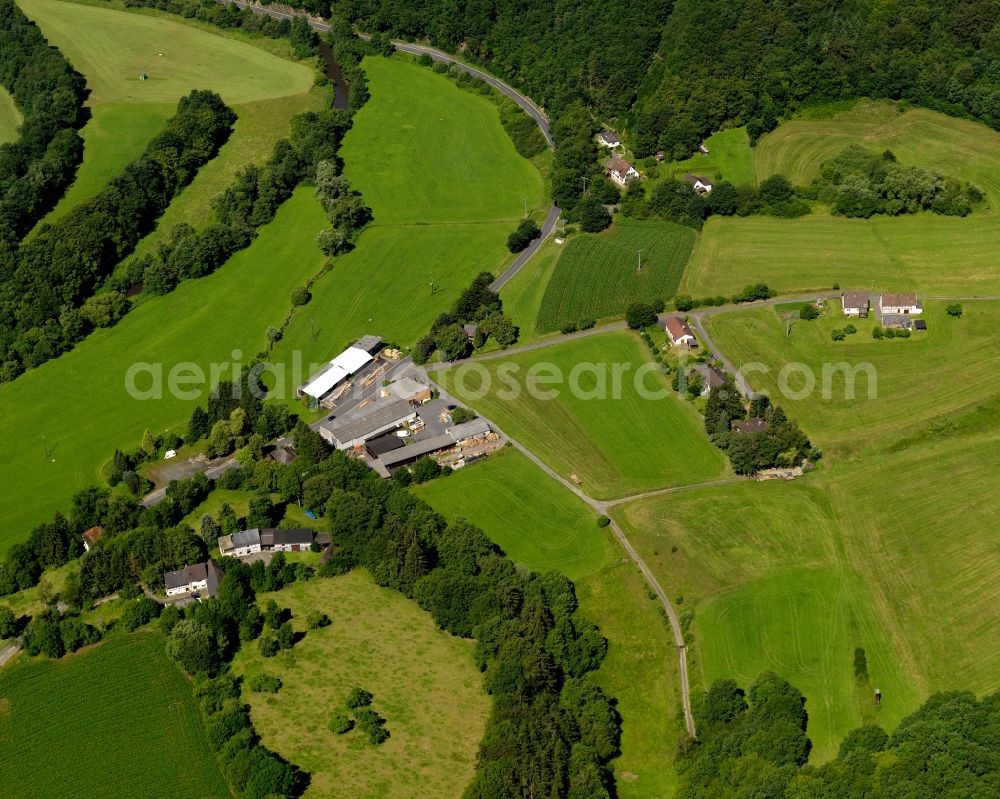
{"x":919,"y":324}
{"x":703,"y":149}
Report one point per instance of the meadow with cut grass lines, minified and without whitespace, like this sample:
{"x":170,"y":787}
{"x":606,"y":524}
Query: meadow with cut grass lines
{"x":601,"y":274}
{"x":950,"y":368}
{"x":925,"y":251}
{"x":616,"y":444}
{"x":117,"y":720}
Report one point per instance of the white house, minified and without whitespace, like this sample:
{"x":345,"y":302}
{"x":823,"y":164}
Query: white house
{"x":700,"y":185}
{"x":621,"y":171}
{"x":903,"y":303}
{"x":609,"y":138}
{"x":854,"y":303}
{"x":201,"y":577}
{"x":680,"y":333}
{"x":245,"y":542}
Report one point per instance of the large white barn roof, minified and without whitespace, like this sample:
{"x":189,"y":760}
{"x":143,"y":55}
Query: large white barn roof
{"x":339,"y":369}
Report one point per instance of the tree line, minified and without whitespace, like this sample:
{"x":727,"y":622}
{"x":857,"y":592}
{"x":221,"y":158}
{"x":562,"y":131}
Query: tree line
{"x":35,"y":169}
{"x":723,"y":63}
{"x":47,"y":294}
{"x":754,"y":743}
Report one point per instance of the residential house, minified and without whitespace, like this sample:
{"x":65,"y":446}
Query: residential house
{"x":711,"y":377}
{"x":92,"y":536}
{"x":274,"y":539}
{"x":752,"y":425}
{"x":470,"y":331}
{"x":609,"y":139}
{"x":200,"y":578}
{"x":700,"y":185}
{"x":621,"y":171}
{"x":854,"y":303}
{"x":901,"y":303}
{"x":680,"y":333}
{"x":245,"y":542}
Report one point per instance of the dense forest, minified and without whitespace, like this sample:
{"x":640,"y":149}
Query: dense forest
{"x":734,"y":62}
{"x":49,"y":93}
{"x":753,"y":744}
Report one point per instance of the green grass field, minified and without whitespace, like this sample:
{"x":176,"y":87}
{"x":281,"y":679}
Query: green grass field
{"x":264,"y":89}
{"x":729,"y":158}
{"x":760,"y":566}
{"x":111,"y":48}
{"x":424,"y":681}
{"x":10,"y":118}
{"x":446,"y":188}
{"x":617,"y":445}
{"x":522,"y":295}
{"x":79,"y":401}
{"x":508,"y":497}
{"x":959,"y":354}
{"x":928,"y":252}
{"x":423,"y":152}
{"x":598,"y":275}
{"x":542,"y":525}
{"x":115,"y":721}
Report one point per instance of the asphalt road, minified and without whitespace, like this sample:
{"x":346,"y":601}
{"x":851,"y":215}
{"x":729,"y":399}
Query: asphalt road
{"x":8,"y":651}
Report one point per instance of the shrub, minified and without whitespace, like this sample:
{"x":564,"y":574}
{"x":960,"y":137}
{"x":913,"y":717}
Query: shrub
{"x":265,"y":684}
{"x":586,"y":324}
{"x":850,"y":329}
{"x":902,"y":333}
{"x":878,"y":333}
{"x":139,"y":612}
{"x":838,"y":335}
{"x":358,"y":697}
{"x":462,"y":415}
{"x":340,"y":724}
{"x":569,"y":327}
{"x":300,"y":295}
{"x":316,"y":619}
{"x":955,"y":309}
{"x":682,"y":302}
{"x":268,"y":646}
{"x":603,"y":521}
{"x":809,"y":312}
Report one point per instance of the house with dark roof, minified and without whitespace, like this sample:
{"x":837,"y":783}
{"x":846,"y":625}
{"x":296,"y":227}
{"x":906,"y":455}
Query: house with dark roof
{"x":711,"y":377}
{"x":621,"y":171}
{"x":283,"y":455}
{"x":700,"y":185}
{"x":202,"y":578}
{"x":680,"y":332}
{"x":896,"y":320}
{"x":752,"y":425}
{"x":92,"y":536}
{"x":854,"y":303}
{"x":274,"y":539}
{"x":609,"y":138}
{"x":245,"y":542}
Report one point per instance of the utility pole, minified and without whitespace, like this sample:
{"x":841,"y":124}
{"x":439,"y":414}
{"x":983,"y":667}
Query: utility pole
{"x":638,"y":269}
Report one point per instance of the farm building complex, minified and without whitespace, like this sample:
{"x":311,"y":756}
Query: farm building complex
{"x":264,"y":539}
